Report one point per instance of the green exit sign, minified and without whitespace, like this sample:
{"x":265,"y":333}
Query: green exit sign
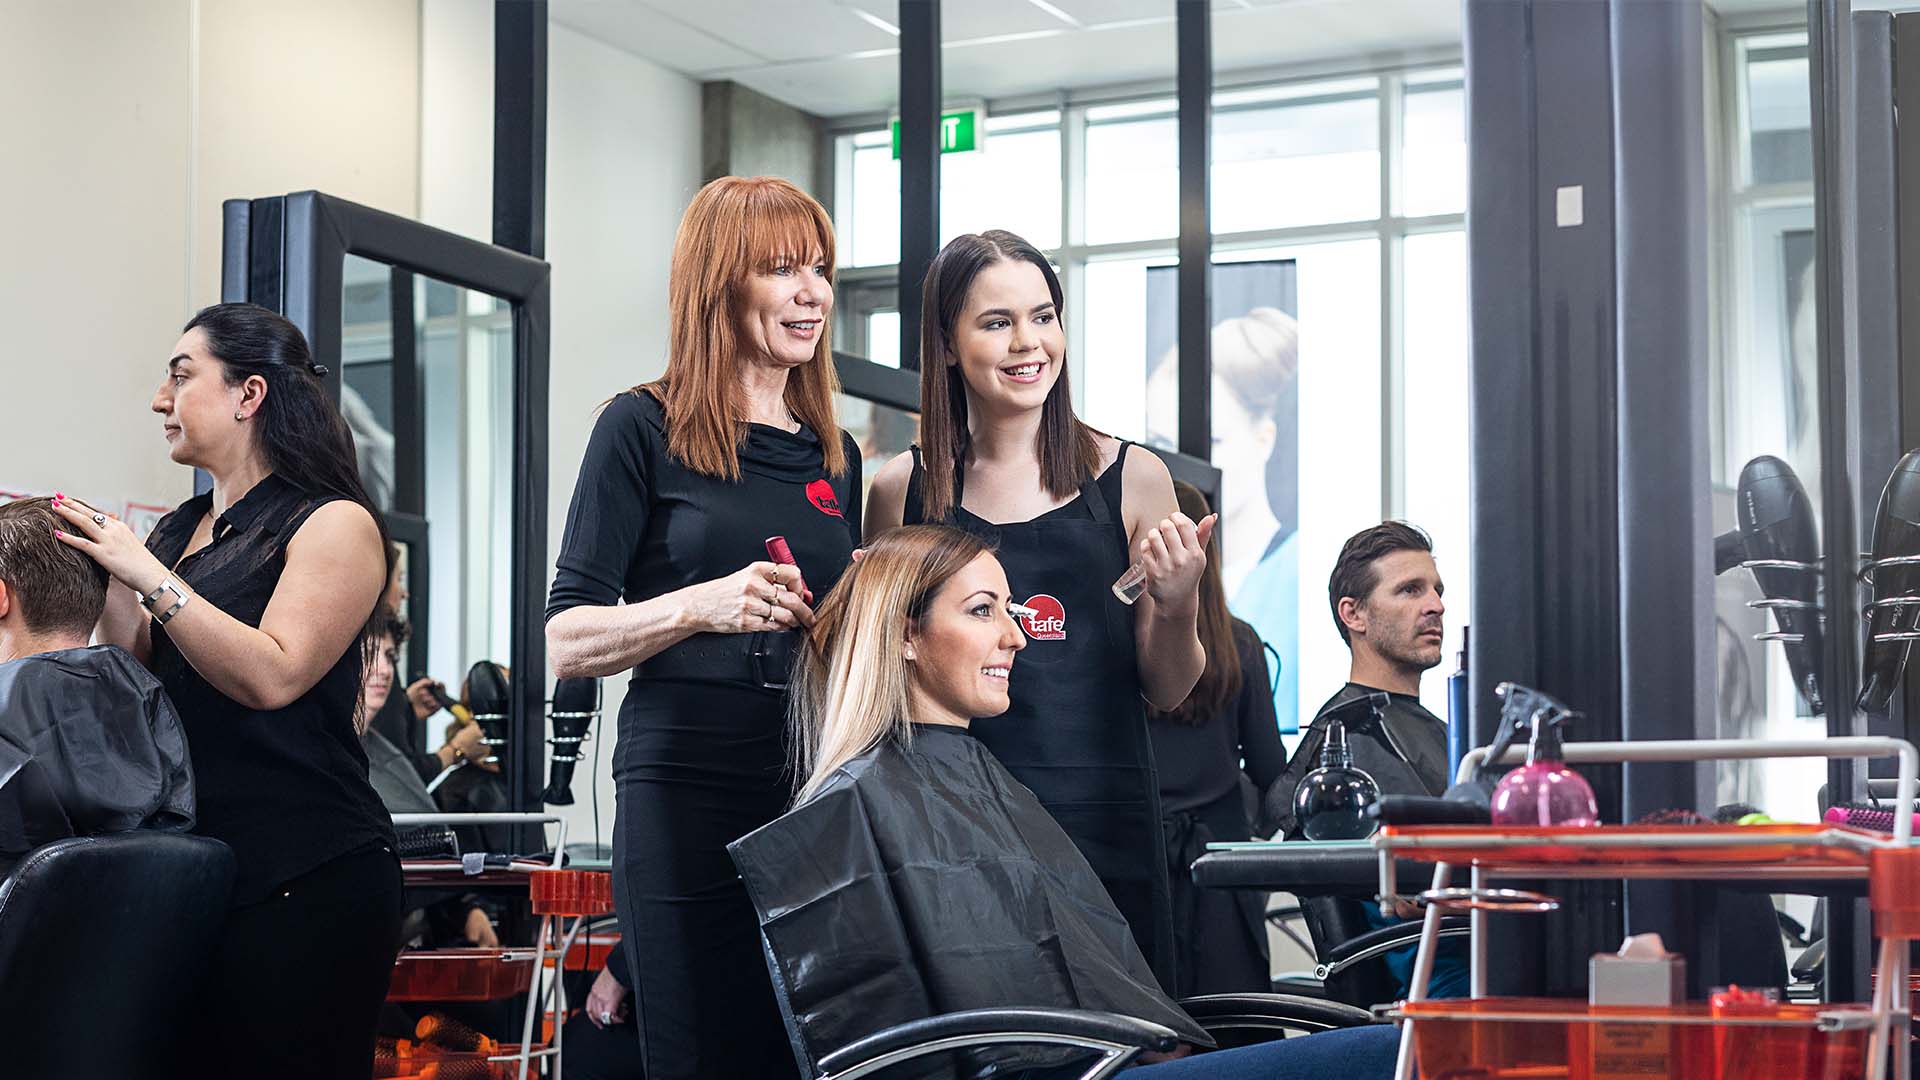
{"x":960,"y":131}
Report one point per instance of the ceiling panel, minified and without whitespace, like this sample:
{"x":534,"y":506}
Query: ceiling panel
{"x":1119,"y":54}
{"x":1096,"y":12}
{"x":833,"y":87}
{"x":635,"y":28}
{"x":783,"y":31}
{"x":993,"y":18}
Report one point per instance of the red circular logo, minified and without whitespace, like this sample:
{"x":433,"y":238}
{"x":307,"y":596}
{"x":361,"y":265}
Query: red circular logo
{"x":820,"y":494}
{"x":1048,"y":621}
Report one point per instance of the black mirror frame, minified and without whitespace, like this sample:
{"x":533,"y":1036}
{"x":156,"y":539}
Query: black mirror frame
{"x":287,"y":253}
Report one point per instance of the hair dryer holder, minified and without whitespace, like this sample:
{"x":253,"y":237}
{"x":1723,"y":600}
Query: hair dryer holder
{"x":1908,"y":600}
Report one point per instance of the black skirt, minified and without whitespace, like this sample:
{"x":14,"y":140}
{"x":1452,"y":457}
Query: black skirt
{"x":698,"y":765}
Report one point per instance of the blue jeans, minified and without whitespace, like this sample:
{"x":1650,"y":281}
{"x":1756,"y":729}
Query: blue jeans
{"x":1452,"y":962}
{"x":1363,"y":1053}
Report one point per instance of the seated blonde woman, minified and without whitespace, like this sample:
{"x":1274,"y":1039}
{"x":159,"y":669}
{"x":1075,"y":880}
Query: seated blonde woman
{"x":915,"y":876}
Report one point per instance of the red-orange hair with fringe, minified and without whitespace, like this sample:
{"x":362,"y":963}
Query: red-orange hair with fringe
{"x":735,"y":227}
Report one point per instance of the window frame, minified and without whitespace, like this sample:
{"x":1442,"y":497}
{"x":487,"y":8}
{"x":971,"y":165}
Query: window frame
{"x":865,"y":290}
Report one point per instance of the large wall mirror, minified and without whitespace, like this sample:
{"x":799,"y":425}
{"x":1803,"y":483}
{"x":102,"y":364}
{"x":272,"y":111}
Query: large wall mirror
{"x":438,"y":350}
{"x":427,"y":387}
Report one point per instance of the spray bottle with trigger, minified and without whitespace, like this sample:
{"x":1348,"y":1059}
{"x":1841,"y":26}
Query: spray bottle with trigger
{"x":1544,"y":791}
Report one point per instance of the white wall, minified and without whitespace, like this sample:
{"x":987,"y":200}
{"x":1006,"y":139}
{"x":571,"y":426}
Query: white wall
{"x":126,"y":122}
{"x":95,"y":125}
{"x":623,"y":160}
{"x":293,"y":96}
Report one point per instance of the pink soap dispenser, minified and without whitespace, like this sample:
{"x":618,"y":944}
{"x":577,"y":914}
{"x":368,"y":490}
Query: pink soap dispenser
{"x":1544,"y":791}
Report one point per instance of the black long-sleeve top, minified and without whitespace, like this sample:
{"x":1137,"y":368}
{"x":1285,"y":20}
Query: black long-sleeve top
{"x":642,"y":524}
{"x":1201,"y":763}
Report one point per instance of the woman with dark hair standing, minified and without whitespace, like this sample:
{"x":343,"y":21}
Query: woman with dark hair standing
{"x":1201,"y":748}
{"x":1069,"y":509}
{"x":663,"y":569}
{"x":257,"y":596}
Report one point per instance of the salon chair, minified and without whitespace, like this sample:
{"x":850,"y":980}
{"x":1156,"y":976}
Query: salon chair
{"x":102,"y":940}
{"x":1111,"y":1040}
{"x":1333,"y":884}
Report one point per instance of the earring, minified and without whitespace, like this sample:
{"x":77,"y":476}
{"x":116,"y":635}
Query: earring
{"x":240,"y":416}
{"x":909,"y":653}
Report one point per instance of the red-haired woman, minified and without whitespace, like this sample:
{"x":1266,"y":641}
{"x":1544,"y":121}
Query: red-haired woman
{"x":662,"y":569}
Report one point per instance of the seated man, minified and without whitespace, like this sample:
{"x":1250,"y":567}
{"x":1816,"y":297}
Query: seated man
{"x":89,"y":742}
{"x":1385,"y":593}
{"x":916,"y":877}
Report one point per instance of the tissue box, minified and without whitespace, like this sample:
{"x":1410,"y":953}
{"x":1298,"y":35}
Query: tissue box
{"x":1632,"y":980}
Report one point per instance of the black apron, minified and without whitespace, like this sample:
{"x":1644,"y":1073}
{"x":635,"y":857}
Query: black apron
{"x":1076,"y":733}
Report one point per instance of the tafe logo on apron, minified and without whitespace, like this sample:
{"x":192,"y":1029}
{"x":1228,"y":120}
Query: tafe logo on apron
{"x":1048,"y":622}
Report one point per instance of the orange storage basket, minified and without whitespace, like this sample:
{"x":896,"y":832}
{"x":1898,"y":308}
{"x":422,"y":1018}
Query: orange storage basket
{"x":1572,"y":1040}
{"x":571,"y":892}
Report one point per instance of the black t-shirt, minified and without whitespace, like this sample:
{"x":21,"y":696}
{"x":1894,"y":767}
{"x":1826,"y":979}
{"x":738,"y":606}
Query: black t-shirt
{"x":642,"y":524}
{"x":1200,"y":763}
{"x":286,"y":788}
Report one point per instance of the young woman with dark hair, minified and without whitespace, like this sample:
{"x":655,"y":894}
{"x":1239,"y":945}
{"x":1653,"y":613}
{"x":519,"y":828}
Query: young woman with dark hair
{"x":664,"y":570}
{"x":1069,"y":509}
{"x":1224,"y":728}
{"x":257,"y":597}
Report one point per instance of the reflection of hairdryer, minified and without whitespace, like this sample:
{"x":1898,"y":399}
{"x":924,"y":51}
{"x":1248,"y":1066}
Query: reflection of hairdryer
{"x":1775,"y":524}
{"x":439,"y":694}
{"x":489,"y":694}
{"x":576,"y":705}
{"x":1896,"y":534}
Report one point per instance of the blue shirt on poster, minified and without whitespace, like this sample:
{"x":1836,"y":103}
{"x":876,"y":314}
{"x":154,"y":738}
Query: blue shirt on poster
{"x":1269,"y":600}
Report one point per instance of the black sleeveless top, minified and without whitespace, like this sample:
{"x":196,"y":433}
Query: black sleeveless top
{"x":1075,"y":732}
{"x":286,"y":788}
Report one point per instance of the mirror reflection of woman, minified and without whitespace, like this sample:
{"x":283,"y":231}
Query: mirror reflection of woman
{"x":1069,"y":509}
{"x":258,"y":597}
{"x":663,"y":570}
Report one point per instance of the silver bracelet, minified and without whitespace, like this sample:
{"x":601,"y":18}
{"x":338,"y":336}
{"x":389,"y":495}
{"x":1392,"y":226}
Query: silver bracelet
{"x":180,"y":598}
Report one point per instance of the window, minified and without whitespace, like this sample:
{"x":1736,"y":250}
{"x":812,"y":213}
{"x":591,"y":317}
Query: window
{"x":1297,"y":163}
{"x":1350,"y":314}
{"x":1432,"y":178}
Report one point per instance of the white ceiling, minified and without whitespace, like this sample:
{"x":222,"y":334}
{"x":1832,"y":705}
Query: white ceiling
{"x":838,"y":57}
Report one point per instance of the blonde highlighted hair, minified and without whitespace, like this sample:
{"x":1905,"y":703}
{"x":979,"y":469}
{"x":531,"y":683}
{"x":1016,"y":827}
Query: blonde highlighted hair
{"x":850,"y":684}
{"x":735,"y":227}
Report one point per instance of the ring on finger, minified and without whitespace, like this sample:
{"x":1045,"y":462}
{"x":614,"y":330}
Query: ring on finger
{"x":99,"y":519}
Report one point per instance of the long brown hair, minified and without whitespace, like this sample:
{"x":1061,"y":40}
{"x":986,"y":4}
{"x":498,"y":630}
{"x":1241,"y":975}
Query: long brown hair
{"x":1219,"y":684}
{"x":734,"y":227}
{"x":850,"y":686}
{"x":1068,"y":452}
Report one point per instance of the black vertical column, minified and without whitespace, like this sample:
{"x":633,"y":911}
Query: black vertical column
{"x":1848,"y":968}
{"x":1666,"y":573}
{"x":1194,"y":36}
{"x":1545,"y":518}
{"x":919,"y":163}
{"x":520,"y":223}
{"x":520,"y":126}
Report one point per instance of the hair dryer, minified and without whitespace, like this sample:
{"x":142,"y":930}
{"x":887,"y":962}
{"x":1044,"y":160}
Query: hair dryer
{"x":1896,"y":532}
{"x":489,"y":694}
{"x":576,"y":705}
{"x":1776,"y":524}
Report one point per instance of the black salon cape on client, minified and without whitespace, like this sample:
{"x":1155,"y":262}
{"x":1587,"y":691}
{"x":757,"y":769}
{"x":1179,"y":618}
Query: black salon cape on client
{"x":935,"y":850}
{"x":89,"y":744}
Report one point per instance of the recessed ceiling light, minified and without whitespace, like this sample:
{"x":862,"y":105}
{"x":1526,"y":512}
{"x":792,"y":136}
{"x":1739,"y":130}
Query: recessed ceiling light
{"x":871,"y":19}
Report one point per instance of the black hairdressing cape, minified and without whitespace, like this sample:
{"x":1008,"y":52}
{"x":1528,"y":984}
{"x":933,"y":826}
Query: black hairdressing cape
{"x":89,"y":744}
{"x":924,"y":879}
